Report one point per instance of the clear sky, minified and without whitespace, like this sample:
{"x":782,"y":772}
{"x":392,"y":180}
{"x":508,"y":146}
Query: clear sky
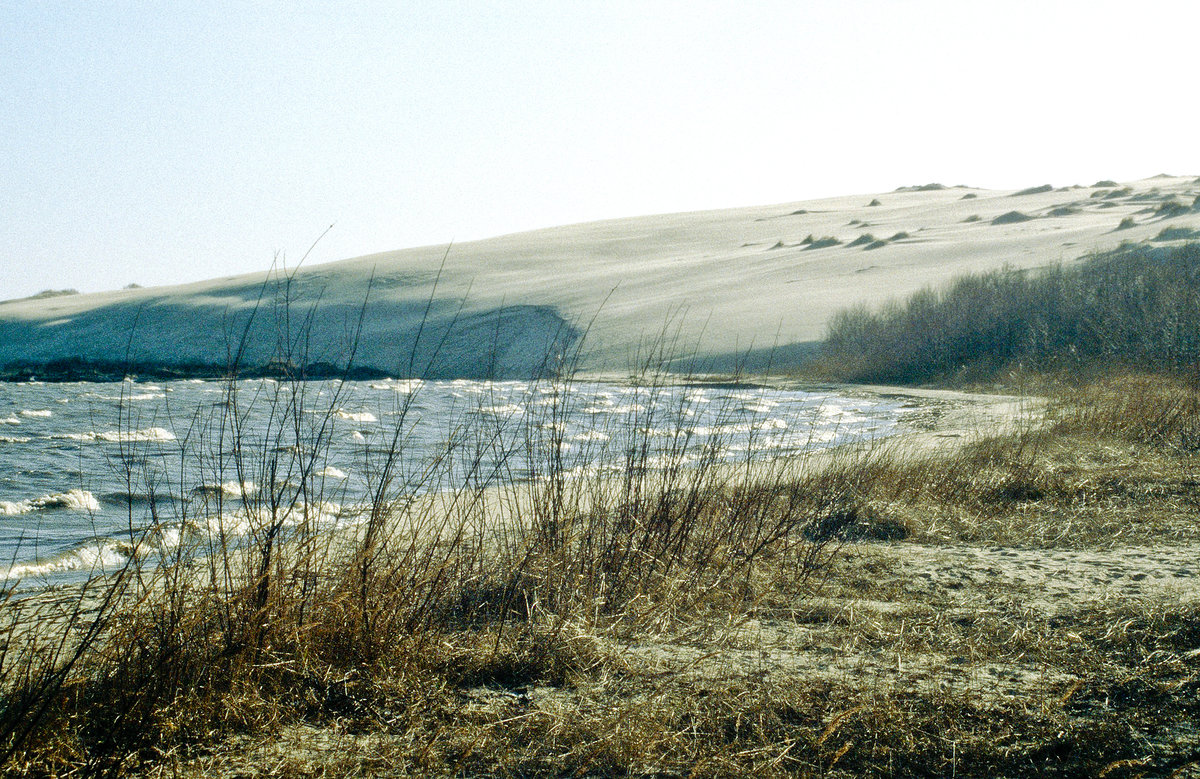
{"x":163,"y":142}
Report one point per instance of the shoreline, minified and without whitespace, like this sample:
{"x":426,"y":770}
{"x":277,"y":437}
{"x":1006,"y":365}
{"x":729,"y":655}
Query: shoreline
{"x":930,"y":421}
{"x":993,"y":638}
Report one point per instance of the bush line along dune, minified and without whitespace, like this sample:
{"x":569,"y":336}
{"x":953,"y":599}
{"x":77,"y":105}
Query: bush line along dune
{"x":1134,"y":307}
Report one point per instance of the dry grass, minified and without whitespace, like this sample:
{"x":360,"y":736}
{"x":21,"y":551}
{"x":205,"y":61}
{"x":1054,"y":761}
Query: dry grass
{"x":877,"y":616}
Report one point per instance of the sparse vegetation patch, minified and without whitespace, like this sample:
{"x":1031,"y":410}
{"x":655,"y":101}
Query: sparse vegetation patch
{"x":1012,"y":217}
{"x":1176,"y":234}
{"x":824,"y":242}
{"x":1171,"y":208}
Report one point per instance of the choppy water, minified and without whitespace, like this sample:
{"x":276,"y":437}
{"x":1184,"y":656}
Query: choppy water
{"x":86,"y":468}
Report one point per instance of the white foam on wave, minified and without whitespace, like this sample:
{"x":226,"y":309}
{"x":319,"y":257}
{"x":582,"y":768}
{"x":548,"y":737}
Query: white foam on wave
{"x":14,"y":439}
{"x":114,"y":436}
{"x":231,"y":488}
{"x":10,"y":420}
{"x":329,"y":472}
{"x":72,"y":500}
{"x":356,"y":416}
{"x":246,"y":521}
{"x":627,"y":408}
{"x":499,"y":410}
{"x":145,"y":396}
{"x":106,"y":554}
{"x":36,"y":413}
{"x":404,"y":386}
{"x":98,"y":555}
{"x":128,"y":396}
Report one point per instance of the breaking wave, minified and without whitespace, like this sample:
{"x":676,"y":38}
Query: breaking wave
{"x":106,"y":554}
{"x":71,"y":500}
{"x":122,"y":436}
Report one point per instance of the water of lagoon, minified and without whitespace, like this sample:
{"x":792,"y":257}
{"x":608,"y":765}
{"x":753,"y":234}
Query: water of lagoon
{"x":86,"y":467}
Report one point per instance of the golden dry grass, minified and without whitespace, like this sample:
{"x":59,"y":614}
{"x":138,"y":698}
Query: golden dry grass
{"x":1018,"y":606}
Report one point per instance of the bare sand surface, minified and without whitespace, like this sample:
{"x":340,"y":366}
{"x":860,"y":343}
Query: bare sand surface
{"x":738,"y":286}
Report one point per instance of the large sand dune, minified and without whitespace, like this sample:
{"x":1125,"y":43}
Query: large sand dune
{"x":724,"y":286}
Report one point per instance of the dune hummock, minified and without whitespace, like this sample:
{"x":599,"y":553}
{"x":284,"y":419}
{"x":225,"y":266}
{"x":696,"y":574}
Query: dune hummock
{"x":750,"y":287}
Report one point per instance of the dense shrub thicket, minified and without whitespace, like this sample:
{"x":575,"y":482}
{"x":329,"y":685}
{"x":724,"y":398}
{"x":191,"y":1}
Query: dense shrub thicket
{"x":1136,"y":305}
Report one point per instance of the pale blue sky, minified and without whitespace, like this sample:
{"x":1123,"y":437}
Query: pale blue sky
{"x":168,"y":142}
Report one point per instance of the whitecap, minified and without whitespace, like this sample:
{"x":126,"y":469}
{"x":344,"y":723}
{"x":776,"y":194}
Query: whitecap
{"x":72,"y":500}
{"x":356,"y":416}
{"x":404,"y":386}
{"x":98,"y":555}
{"x":231,"y":488}
{"x":36,"y":413}
{"x":115,"y":436}
{"x":245,"y":521}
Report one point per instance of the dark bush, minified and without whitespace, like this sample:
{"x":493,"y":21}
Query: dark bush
{"x":1135,"y":305}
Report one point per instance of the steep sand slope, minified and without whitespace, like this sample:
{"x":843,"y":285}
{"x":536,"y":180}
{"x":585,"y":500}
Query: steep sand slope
{"x":719,"y":284}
